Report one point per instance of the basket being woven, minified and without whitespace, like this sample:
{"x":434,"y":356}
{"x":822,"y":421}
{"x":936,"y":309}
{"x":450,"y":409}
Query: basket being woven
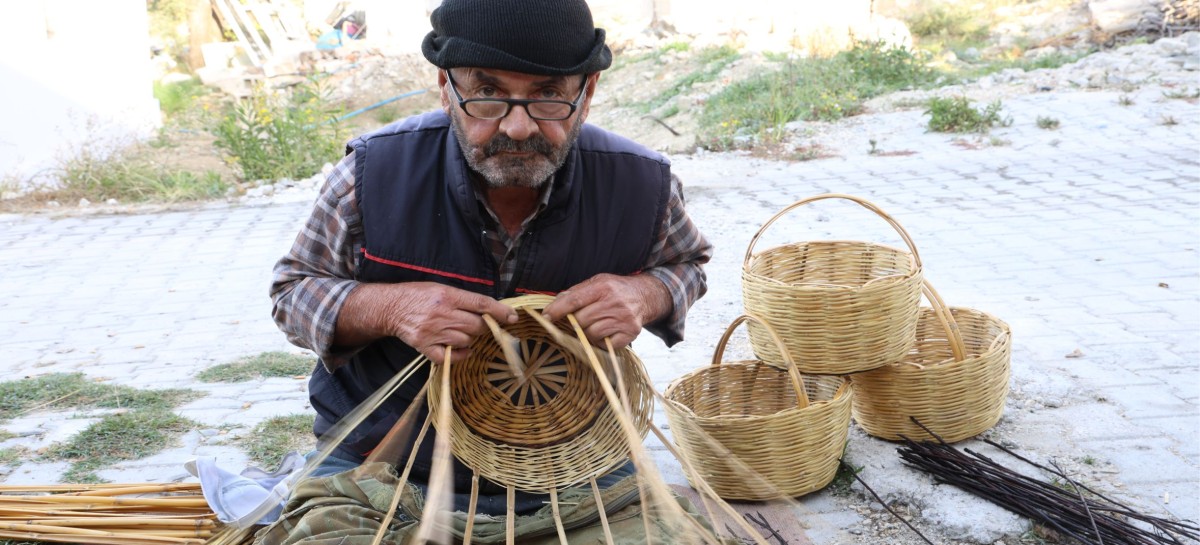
{"x":954,"y":380}
{"x":753,"y":431}
{"x":551,"y":429}
{"x":841,"y":306}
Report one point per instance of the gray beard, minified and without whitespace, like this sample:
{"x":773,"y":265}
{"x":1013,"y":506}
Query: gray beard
{"x":507,"y":171}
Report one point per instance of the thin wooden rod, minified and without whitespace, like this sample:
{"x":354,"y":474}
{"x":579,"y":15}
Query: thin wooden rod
{"x":439,"y":503}
{"x":510,"y":521}
{"x":558,"y":525}
{"x":600,"y":508}
{"x":470,"y":529}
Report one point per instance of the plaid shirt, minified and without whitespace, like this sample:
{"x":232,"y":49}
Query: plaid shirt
{"x":312,"y":281}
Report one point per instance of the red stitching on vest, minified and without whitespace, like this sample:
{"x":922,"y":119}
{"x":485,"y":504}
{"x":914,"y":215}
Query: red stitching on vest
{"x":523,"y":290}
{"x":426,"y":270}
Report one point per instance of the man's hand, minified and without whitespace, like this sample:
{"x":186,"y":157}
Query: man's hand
{"x":608,"y":305}
{"x":425,"y":315}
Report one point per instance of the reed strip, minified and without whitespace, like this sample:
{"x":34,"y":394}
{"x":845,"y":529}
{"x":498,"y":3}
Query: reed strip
{"x":558,"y":525}
{"x":641,"y":458}
{"x":470,"y":527}
{"x":439,"y":502}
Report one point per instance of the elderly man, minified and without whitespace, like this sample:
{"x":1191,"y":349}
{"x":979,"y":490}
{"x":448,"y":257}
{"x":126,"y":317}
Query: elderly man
{"x":428,"y":221}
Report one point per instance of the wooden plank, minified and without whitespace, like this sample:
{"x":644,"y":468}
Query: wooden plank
{"x":265,"y":17}
{"x":233,"y":24}
{"x":242,"y":13}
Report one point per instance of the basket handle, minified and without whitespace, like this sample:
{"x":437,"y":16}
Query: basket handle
{"x":797,"y":382}
{"x":865,"y":204}
{"x":953,"y":334}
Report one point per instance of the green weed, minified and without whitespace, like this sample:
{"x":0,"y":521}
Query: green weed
{"x":274,"y":135}
{"x":1125,"y":100}
{"x":957,"y":21}
{"x":958,"y":116}
{"x":754,"y":111}
{"x":275,"y":437}
{"x":267,"y":364}
{"x":62,"y":390}
{"x":177,"y":97}
{"x":129,"y":174}
{"x":1048,"y":123}
{"x":117,"y":438}
{"x":714,"y":60}
{"x":1182,"y":94}
{"x":11,"y":456}
{"x":844,"y":478}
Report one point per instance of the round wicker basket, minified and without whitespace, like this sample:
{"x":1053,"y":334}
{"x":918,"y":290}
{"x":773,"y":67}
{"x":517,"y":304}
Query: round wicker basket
{"x":551,"y":428}
{"x":954,"y":380}
{"x":841,"y":306}
{"x":753,"y":431}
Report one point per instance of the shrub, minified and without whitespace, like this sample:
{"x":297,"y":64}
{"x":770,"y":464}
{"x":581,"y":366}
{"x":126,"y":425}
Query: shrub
{"x":273,"y":135}
{"x":957,"y":115}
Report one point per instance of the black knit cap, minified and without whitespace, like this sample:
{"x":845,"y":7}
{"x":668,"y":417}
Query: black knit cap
{"x":543,"y":37}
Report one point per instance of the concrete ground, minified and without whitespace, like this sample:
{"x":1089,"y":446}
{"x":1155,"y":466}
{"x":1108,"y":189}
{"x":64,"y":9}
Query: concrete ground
{"x":1083,"y":239}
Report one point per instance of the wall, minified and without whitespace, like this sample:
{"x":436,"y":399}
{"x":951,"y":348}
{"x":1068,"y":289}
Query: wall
{"x":74,"y":72}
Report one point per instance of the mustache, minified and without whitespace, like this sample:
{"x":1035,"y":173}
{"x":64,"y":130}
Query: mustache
{"x":502,"y":143}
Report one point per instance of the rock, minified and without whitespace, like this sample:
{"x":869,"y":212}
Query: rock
{"x":1117,"y":16}
{"x":112,"y":202}
{"x":970,"y":54}
{"x":84,"y":203}
{"x":53,"y":204}
{"x":1170,"y":47}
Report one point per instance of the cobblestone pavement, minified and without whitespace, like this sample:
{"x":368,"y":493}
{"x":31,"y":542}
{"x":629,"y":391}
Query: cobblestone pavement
{"x":1083,"y":239}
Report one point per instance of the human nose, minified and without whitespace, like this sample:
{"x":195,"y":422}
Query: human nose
{"x":517,"y":124}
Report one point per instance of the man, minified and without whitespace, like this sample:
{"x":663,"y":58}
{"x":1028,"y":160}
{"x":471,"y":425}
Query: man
{"x":430,"y":220}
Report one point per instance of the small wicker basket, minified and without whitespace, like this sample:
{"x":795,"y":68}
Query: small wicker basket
{"x":552,"y":429}
{"x":954,"y":380}
{"x":841,"y":306}
{"x":753,"y":431}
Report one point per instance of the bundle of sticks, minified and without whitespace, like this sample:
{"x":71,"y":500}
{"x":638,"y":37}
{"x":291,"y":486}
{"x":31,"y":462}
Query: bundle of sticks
{"x":107,"y":514}
{"x":1064,"y":505}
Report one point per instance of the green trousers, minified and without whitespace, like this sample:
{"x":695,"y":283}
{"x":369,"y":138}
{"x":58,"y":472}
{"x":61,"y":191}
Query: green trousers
{"x":345,"y":509}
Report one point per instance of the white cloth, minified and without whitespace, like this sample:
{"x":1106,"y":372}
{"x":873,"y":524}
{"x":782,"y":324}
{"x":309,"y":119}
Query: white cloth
{"x":235,"y":498}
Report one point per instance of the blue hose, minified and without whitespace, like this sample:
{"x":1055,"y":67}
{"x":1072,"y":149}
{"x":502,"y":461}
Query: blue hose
{"x":380,"y":103}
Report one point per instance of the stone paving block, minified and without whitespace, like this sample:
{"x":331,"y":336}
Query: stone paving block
{"x":1147,"y":401}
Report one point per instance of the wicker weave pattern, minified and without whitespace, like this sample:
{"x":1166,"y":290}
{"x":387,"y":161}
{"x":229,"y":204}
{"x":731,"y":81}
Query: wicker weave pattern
{"x":553,"y":430}
{"x":955,"y":399}
{"x":841,"y":306}
{"x":734,"y":418}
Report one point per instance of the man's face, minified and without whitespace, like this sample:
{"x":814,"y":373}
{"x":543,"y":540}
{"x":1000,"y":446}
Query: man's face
{"x":516,"y":150}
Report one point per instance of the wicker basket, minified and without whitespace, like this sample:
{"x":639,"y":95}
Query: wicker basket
{"x":841,"y":306}
{"x":553,"y":430}
{"x":954,"y":380}
{"x":752,"y":432}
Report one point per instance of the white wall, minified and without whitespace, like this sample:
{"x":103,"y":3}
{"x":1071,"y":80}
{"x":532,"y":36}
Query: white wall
{"x":72,"y":72}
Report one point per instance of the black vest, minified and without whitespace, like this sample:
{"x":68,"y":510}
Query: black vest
{"x":421,"y":222}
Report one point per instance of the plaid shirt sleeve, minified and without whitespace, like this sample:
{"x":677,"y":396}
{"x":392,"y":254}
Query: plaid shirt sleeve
{"x":310,"y":284}
{"x":677,"y":259}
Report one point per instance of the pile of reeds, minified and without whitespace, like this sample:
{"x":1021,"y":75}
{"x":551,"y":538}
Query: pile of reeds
{"x":107,"y":514}
{"x":1068,"y":507}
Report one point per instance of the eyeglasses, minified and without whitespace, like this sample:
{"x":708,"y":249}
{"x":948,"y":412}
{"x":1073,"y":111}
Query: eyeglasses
{"x":498,"y":108}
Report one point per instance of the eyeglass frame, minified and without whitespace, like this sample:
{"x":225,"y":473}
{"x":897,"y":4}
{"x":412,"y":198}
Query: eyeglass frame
{"x":524,"y":102}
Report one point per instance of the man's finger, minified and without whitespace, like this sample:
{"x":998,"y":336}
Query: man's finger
{"x":481,"y":304}
{"x":570,"y":301}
